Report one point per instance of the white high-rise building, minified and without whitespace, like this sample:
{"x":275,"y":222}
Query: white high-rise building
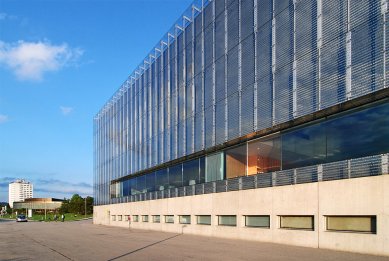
{"x":19,"y":190}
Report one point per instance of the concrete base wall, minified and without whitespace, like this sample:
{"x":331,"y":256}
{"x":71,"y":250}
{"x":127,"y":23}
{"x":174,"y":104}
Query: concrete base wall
{"x":359,"y":196}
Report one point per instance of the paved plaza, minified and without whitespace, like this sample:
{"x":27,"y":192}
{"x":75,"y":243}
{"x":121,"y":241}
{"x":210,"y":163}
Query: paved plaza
{"x":84,"y":241}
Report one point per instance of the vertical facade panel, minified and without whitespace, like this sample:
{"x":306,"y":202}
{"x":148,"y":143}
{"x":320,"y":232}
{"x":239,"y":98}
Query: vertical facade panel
{"x":333,"y":62}
{"x":306,"y":57}
{"x":366,"y":47}
{"x":264,"y":64}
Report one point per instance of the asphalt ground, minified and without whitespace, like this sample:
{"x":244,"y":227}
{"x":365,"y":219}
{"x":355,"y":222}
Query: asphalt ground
{"x":81,"y":240}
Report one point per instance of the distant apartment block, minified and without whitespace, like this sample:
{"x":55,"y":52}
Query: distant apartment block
{"x":19,"y":190}
{"x":263,"y":120}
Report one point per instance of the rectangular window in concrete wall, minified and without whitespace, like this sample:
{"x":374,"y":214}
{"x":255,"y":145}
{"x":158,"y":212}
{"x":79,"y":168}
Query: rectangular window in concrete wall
{"x":264,"y":155}
{"x":156,"y":218}
{"x":204,"y":220}
{"x":135,"y":218}
{"x":257,"y":221}
{"x":126,"y":218}
{"x":120,"y":217}
{"x":113,"y":217}
{"x":366,"y":224}
{"x":214,"y":165}
{"x":145,"y":218}
{"x":236,"y":161}
{"x":185,"y":219}
{"x":227,"y":220}
{"x":297,"y":222}
{"x":169,"y":219}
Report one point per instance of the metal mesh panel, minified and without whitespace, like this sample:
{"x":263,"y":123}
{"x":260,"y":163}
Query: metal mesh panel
{"x":208,"y":45}
{"x":334,"y":14}
{"x":248,"y":182}
{"x":248,"y":61}
{"x":306,"y":174}
{"x":264,"y":180}
{"x":247,"y":18}
{"x":284,"y":177}
{"x":181,"y":135}
{"x":173,"y":192}
{"x":366,"y":45}
{"x":247,"y":110}
{"x":220,"y":122}
{"x":265,"y":76}
{"x":367,"y":166}
{"x":189,"y":135}
{"x":221,"y":185}
{"x":219,"y":7}
{"x":220,"y":79}
{"x":233,"y":24}
{"x":219,"y":35}
{"x":333,"y":71}
{"x":209,"y":135}
{"x":199,"y":189}
{"x":181,"y":192}
{"x":197,"y":54}
{"x":208,"y":87}
{"x":283,"y":94}
{"x":233,"y":184}
{"x":233,"y":116}
{"x":232,"y":71}
{"x":335,"y":170}
{"x":198,"y":135}
{"x":306,"y":81}
{"x":208,"y":187}
{"x":208,"y":16}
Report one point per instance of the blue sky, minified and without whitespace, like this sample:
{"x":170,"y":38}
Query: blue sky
{"x":60,"y":61}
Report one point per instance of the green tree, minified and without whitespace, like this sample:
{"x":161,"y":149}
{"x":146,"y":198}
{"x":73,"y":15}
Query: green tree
{"x":89,"y":205}
{"x":64,"y":207}
{"x":76,"y":204}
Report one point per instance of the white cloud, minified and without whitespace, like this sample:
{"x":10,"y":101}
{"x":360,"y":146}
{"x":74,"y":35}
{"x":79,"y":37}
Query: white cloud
{"x":5,"y":16}
{"x":3,"y":118}
{"x":66,"y":110}
{"x":30,"y":60}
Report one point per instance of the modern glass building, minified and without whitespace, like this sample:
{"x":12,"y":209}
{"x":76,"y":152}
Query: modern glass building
{"x":248,"y":94}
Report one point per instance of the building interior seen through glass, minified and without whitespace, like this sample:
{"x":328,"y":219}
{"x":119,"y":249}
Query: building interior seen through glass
{"x":353,"y":134}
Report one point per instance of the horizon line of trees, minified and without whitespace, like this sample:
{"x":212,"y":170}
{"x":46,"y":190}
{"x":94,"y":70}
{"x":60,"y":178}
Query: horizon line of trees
{"x":76,"y":204}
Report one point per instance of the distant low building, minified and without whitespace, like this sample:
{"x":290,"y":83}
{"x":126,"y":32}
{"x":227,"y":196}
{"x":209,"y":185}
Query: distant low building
{"x":19,"y":190}
{"x":39,"y":204}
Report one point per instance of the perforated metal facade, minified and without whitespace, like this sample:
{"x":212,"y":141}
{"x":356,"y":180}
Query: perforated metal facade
{"x":232,"y":67}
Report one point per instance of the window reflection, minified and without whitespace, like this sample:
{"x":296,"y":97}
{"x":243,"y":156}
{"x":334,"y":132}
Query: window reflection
{"x":236,"y":162}
{"x":264,"y":156}
{"x":191,"y":172}
{"x":214,"y":167}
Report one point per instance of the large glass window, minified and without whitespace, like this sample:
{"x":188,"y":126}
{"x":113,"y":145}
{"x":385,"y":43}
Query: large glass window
{"x":204,"y":219}
{"x":126,"y":188}
{"x":132,"y":186}
{"x":359,"y":134}
{"x":191,"y":172}
{"x":141,"y":184}
{"x":150,"y":182}
{"x":202,"y":169}
{"x":236,"y":161}
{"x":264,"y":155}
{"x":214,"y":167}
{"x":303,"y":147}
{"x":175,"y":176}
{"x":162,"y":179}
